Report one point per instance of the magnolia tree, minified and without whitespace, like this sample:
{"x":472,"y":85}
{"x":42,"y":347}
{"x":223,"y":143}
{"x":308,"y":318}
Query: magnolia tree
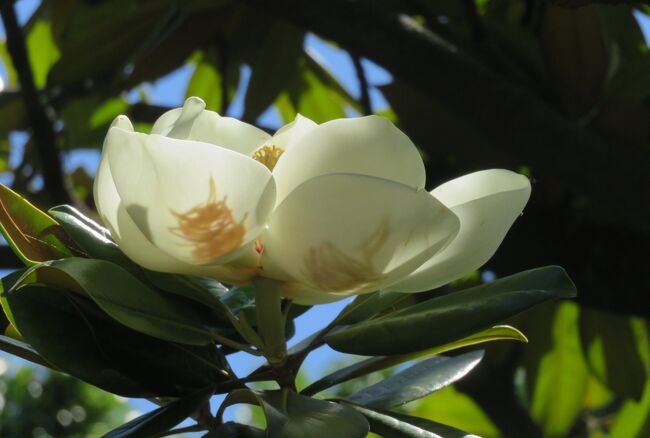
{"x":215,"y":236}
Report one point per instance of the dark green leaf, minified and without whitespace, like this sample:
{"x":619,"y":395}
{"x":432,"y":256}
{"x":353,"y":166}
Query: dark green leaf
{"x":81,"y":36}
{"x":394,"y":425}
{"x":236,"y":430}
{"x":32,"y":234}
{"x":72,"y":333}
{"x":49,"y":321}
{"x":12,"y":112}
{"x":290,"y":415}
{"x":22,"y":350}
{"x":163,"y":418}
{"x":240,"y":299}
{"x":90,"y":237}
{"x":417,"y":381}
{"x":368,"y":305}
{"x":88,"y":118}
{"x":378,"y":363}
{"x":130,"y":301}
{"x":271,"y":68}
{"x":445,"y":319}
{"x":6,"y":284}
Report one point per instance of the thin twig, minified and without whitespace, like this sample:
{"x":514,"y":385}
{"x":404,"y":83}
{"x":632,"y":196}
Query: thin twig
{"x":364,"y":98}
{"x":43,"y":129}
{"x":236,"y":345}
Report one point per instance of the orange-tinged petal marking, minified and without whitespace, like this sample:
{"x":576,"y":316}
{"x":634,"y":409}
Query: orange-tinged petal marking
{"x":210,"y":227}
{"x":332,"y":270}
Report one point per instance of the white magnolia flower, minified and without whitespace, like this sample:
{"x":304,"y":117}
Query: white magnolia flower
{"x":330,"y":210}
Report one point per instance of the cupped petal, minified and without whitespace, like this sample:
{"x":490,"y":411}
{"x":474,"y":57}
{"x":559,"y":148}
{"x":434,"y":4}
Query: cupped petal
{"x":194,"y":122}
{"x":291,"y":133}
{"x":487,"y":204}
{"x":347,"y":233}
{"x":370,"y":146}
{"x":273,"y":149}
{"x":199,"y":203}
{"x":138,"y":248}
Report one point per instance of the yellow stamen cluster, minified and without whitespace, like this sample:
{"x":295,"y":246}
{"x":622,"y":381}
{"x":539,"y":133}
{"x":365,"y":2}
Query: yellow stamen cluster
{"x":268,"y":155}
{"x":210,"y":227}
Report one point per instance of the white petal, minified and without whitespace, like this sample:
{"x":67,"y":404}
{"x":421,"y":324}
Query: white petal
{"x":138,"y":248}
{"x":487,"y":203}
{"x":197,"y":202}
{"x":292,"y":133}
{"x":354,"y":233}
{"x":370,"y":146}
{"x":193,"y":122}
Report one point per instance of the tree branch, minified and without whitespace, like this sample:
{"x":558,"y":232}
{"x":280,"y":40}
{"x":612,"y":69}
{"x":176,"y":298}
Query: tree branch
{"x":43,"y":130}
{"x":364,"y":93}
{"x":510,"y":119}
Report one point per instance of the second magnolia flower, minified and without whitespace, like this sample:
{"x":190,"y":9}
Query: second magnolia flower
{"x":331,"y":210}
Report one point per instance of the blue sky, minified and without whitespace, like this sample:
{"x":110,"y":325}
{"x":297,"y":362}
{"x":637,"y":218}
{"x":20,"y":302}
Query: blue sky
{"x":170,"y":91}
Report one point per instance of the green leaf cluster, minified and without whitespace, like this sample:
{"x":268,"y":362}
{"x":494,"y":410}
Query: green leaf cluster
{"x":82,"y":307}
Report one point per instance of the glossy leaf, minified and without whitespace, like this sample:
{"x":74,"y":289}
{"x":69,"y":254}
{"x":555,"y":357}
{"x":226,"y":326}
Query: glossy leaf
{"x":130,"y":301}
{"x":368,"y":305}
{"x":49,"y":321}
{"x":236,"y":430}
{"x":445,"y":319}
{"x":163,"y":418}
{"x":394,"y":425}
{"x":373,"y":364}
{"x":90,"y":237}
{"x":6,"y":284}
{"x":32,"y":234}
{"x":95,"y":240}
{"x":417,"y":381}
{"x":22,"y":350}
{"x":72,"y":333}
{"x":290,"y":415}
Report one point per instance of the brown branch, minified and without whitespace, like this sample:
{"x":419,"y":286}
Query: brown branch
{"x":43,"y":130}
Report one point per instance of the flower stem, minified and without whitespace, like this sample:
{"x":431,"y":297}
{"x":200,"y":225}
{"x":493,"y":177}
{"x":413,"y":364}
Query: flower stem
{"x":270,"y":320}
